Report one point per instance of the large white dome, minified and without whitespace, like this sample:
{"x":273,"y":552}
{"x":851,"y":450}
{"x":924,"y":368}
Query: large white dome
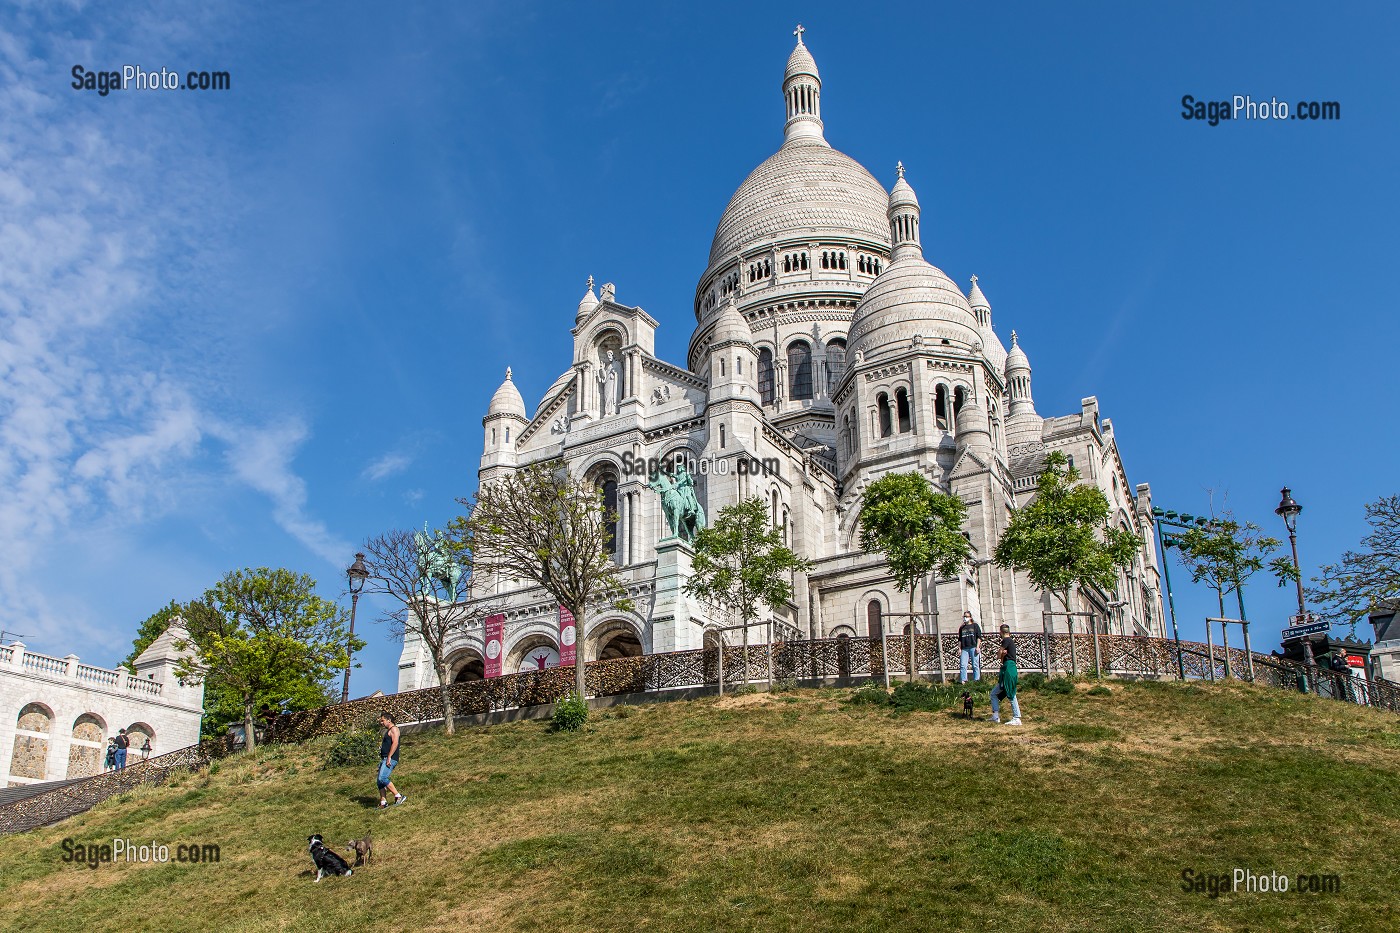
{"x":806,"y":189}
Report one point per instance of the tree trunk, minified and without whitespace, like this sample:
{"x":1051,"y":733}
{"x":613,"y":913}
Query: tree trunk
{"x":912,"y":627}
{"x":580,"y":674}
{"x":250,"y":732}
{"x":446,"y":689}
{"x":746,"y":651}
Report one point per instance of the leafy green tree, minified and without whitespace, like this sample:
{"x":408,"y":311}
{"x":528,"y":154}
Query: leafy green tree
{"x":1363,"y":581}
{"x":741,"y":564}
{"x":151,"y":629}
{"x":1224,"y":554}
{"x":1062,"y":539}
{"x":263,"y":637}
{"x":918,"y":529}
{"x":541,"y":524}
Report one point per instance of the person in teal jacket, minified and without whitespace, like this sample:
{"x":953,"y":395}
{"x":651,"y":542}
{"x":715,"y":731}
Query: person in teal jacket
{"x":1006,"y":682}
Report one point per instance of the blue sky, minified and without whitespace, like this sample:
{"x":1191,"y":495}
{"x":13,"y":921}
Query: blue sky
{"x":253,"y":327}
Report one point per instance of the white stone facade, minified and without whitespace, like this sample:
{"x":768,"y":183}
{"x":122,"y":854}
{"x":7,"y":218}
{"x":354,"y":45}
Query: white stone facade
{"x":56,"y":714}
{"x":826,"y":347}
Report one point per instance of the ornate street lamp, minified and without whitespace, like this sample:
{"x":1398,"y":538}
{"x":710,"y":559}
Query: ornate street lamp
{"x":1288,"y":510}
{"x":357,"y":573}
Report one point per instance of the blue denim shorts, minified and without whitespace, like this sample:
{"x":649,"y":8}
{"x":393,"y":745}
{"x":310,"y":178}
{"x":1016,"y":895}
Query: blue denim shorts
{"x":386,"y":768}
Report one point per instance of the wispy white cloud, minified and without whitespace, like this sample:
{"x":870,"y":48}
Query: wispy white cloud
{"x":386,"y":466}
{"x":262,"y":459}
{"x":113,"y":398}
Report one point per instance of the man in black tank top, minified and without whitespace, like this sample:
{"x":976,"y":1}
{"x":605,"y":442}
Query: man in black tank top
{"x":388,"y":758}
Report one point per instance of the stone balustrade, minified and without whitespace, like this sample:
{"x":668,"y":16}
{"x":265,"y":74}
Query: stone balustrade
{"x":17,"y":657}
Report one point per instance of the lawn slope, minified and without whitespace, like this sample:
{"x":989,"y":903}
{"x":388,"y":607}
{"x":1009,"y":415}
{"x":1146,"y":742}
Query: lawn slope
{"x":789,"y":811}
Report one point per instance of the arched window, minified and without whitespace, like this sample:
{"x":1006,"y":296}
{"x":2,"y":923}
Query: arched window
{"x":874,"y":622}
{"x":786,"y":524}
{"x":882,"y":403}
{"x":800,"y":369}
{"x":609,"y":488}
{"x":773,"y":510}
{"x":940,"y":407}
{"x":721,"y":437}
{"x":835,"y":363}
{"x":959,"y":396}
{"x":721,"y":366}
{"x":901,"y":404}
{"x":765,"y":376}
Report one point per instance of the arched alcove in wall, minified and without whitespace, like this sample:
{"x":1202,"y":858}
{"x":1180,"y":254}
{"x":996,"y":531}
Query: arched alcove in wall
{"x":30,"y":758}
{"x":87,"y":745}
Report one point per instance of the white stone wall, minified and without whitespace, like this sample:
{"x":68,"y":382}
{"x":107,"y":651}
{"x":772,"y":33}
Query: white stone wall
{"x":68,"y":690}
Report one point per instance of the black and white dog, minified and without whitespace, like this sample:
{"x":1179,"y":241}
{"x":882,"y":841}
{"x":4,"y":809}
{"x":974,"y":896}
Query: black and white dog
{"x":327,"y":862}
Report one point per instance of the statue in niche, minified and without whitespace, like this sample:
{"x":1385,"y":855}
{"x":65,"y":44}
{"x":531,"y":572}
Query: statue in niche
{"x":683,"y":511}
{"x":559,"y":426}
{"x":609,"y":385}
{"x":661,"y":394}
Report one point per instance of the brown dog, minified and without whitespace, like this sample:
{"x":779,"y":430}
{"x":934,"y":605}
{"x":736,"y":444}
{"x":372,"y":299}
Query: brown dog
{"x":363,"y":849}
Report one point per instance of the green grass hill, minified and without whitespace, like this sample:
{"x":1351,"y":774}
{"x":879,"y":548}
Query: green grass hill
{"x":799,"y":810}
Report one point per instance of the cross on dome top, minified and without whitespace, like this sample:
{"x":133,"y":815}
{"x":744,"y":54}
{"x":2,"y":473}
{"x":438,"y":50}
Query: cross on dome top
{"x":974,"y":280}
{"x":1013,"y":338}
{"x":590,"y":283}
{"x":899,"y":167}
{"x":507,"y":374}
{"x":798,"y":33}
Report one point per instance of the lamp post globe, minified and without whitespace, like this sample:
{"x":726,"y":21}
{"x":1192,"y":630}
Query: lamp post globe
{"x":356,"y":575}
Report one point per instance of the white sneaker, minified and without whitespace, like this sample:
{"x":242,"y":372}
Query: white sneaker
{"x":994,"y":718}
{"x":1014,"y":722}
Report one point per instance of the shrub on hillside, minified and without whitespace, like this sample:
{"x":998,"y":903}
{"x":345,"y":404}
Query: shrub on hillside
{"x":1100,"y":691}
{"x":1031,"y":681}
{"x":919,"y":696}
{"x":1060,"y":685}
{"x":353,"y":747}
{"x":570,"y":714}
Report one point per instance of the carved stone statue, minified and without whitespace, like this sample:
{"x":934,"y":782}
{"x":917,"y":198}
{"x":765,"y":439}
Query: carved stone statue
{"x":559,"y":426}
{"x":609,"y":385}
{"x":683,"y":513}
{"x":609,"y":290}
{"x":661,"y":394}
{"x":435,"y":565}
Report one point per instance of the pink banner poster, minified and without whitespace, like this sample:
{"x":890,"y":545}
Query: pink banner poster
{"x":495,"y":643}
{"x":568,"y":638}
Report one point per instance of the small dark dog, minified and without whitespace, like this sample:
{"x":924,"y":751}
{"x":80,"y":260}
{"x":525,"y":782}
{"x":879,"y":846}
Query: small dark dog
{"x":327,"y":862}
{"x":967,"y":704}
{"x":363,"y":849}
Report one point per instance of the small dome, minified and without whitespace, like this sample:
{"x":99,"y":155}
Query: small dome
{"x":800,"y":62}
{"x":971,"y":423}
{"x":507,"y":400}
{"x":1016,"y":359}
{"x":902,"y":194}
{"x":975,"y":298}
{"x":730,"y":325}
{"x":588,"y":302}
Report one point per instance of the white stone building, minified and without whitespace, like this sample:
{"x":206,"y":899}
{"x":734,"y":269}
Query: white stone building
{"x":827,"y":345}
{"x":56,"y":714}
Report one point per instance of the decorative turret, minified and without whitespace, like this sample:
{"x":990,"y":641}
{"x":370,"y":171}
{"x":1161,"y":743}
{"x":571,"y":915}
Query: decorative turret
{"x":505,"y":419}
{"x":972,"y":430}
{"x":992,"y":347}
{"x":802,"y":90}
{"x":588,"y":302}
{"x":732,"y":356}
{"x":904,"y":219}
{"x":978,"y":302}
{"x":1018,"y":380}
